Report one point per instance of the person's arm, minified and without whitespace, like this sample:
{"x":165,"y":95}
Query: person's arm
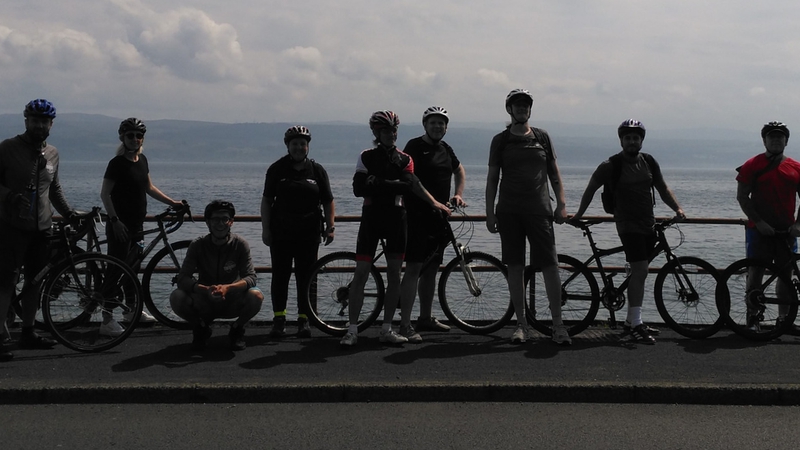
{"x":419,"y":190}
{"x":329,"y":209}
{"x":588,"y":194}
{"x":560,"y":214}
{"x":492,"y":180}
{"x":185,"y":280}
{"x":156,"y":193}
{"x":669,"y":197}
{"x":743,"y":191}
{"x":247,"y":274}
{"x":120,"y":230}
{"x":266,"y":216}
{"x":57,"y":198}
{"x":460,"y":181}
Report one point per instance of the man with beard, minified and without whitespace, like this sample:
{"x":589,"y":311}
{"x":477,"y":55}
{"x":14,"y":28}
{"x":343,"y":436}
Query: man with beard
{"x":636,"y":175}
{"x":29,"y":189}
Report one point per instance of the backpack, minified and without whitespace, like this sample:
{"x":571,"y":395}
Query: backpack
{"x":610,"y":185}
{"x":539,"y":134}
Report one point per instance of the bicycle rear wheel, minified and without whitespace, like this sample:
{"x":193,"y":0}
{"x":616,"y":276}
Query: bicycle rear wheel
{"x":80,"y":292}
{"x":685,"y":297}
{"x":580,"y":297}
{"x":482,"y":308}
{"x":158,"y":282}
{"x":329,"y":294}
{"x":752,"y":311}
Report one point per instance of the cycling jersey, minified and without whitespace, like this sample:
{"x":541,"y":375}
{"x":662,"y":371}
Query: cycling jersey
{"x":775,"y":192}
{"x":523,"y":161}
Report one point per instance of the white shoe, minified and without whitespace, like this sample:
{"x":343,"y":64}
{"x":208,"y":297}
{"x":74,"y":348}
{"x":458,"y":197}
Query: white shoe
{"x":391,"y":337}
{"x":144,"y":318}
{"x":349,"y":339}
{"x":112,"y":328}
{"x":521,"y":334}
{"x":561,"y":335}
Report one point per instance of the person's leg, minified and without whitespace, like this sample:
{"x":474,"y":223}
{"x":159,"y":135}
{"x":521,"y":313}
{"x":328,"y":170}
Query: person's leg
{"x":427,"y":290}
{"x":394,"y":265}
{"x":193,"y":309}
{"x":282,"y":254}
{"x":516,"y":290}
{"x":408,"y":291}
{"x":305,"y":256}
{"x":552,"y":285}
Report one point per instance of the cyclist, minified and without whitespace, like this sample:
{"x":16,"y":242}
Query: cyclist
{"x":126,"y":185}
{"x":29,"y":189}
{"x":767,"y":189}
{"x":383,"y":175}
{"x":226,"y":283}
{"x":294,"y":189}
{"x":435,"y":164}
{"x":638,"y":173}
{"x":526,"y":158}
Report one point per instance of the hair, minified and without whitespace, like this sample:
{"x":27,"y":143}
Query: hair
{"x":121,"y":149}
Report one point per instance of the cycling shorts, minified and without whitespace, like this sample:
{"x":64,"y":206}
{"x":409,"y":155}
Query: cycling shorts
{"x":515,"y":228}
{"x":19,"y":248}
{"x":426,"y":236}
{"x":638,"y":247}
{"x":769,"y":248}
{"x":388,"y":223}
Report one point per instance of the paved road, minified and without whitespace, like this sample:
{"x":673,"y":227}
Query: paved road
{"x":156,"y":365}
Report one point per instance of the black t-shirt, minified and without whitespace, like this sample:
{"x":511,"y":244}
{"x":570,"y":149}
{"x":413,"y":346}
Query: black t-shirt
{"x":434,"y":166}
{"x":296,"y":195}
{"x":131,"y":180}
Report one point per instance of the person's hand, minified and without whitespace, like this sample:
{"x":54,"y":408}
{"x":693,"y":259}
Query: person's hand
{"x":328,"y":236}
{"x":458,"y":201}
{"x":371,"y":180}
{"x":444,"y":209}
{"x":20,"y":202}
{"x":679,"y":215}
{"x":218,"y":292}
{"x":560,"y":214}
{"x":765,"y":228}
{"x":120,"y":230}
{"x":491,"y":223}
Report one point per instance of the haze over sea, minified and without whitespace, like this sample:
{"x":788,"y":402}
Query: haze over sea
{"x":702,"y":193}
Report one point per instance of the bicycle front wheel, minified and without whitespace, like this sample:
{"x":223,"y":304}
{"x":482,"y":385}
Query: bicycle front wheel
{"x":752,"y":310}
{"x":158,"y":282}
{"x":82,"y":292}
{"x":685,"y":297}
{"x":580,"y":298}
{"x":329,"y":294}
{"x":474,"y":295}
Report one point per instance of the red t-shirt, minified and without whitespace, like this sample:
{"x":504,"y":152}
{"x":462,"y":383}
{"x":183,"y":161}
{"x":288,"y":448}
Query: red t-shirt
{"x":775,"y":191}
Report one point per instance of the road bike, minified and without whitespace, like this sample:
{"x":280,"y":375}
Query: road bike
{"x":472,"y":289}
{"x":684,"y":289}
{"x":751,"y":300}
{"x":77,"y":290}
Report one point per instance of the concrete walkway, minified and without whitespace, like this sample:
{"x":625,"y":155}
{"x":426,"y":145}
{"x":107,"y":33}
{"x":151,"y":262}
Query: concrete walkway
{"x":156,"y":365}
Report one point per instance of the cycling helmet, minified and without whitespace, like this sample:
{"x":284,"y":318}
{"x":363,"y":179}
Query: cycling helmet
{"x":515,"y":93}
{"x":295,"y":132}
{"x":219,"y":205}
{"x":132,"y":124}
{"x":631,"y":126}
{"x":435,"y":111}
{"x":383,"y":119}
{"x":40,"y":107}
{"x":774,"y":126}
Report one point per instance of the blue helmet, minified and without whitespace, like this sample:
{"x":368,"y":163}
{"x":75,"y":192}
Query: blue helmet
{"x":40,"y":107}
{"x":631,"y":126}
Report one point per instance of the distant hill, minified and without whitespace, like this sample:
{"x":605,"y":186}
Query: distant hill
{"x":87,"y":137}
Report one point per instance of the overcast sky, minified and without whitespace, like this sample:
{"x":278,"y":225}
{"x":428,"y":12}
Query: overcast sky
{"x":670,"y":63}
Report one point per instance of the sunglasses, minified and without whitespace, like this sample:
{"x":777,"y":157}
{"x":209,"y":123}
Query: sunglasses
{"x":216,"y":220}
{"x":134,"y":135}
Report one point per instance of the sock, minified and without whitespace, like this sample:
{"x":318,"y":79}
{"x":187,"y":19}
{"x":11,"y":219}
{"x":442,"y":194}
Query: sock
{"x":386,"y":327}
{"x":352,"y":329}
{"x":634,"y":316}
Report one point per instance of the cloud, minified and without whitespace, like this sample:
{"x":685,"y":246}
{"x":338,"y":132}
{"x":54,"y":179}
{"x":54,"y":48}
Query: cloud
{"x":493,"y":78}
{"x":757,"y":91}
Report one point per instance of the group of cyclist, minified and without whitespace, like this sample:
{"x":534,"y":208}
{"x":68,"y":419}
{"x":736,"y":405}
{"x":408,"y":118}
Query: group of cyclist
{"x":405,"y":195}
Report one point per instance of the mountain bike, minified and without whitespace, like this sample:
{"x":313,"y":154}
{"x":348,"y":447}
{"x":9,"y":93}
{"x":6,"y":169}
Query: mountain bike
{"x":473,"y":290}
{"x":78,"y":290}
{"x":751,"y":301}
{"x":684,"y":289}
{"x":158,"y":277}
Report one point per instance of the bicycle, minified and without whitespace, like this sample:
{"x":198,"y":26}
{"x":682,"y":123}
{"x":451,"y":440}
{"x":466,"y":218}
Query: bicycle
{"x":162,"y":268}
{"x":754,"y":310}
{"x":77,"y":289}
{"x":472,"y":288}
{"x":684,"y":288}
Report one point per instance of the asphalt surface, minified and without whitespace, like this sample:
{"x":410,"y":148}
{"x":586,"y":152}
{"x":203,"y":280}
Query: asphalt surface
{"x":157,"y":365}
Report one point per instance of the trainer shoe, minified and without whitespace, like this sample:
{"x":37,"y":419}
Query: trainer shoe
{"x":561,"y":335}
{"x":640,"y":335}
{"x":112,"y":328}
{"x":303,"y":329}
{"x":626,"y":327}
{"x":431,"y":324}
{"x":34,"y":341}
{"x":200,"y":335}
{"x":753,"y":323}
{"x":391,"y":337}
{"x":521,"y":334}
{"x":236,"y":335}
{"x":278,"y":326}
{"x":6,"y":355}
{"x":146,"y":317}
{"x":349,"y":339}
{"x":408,"y":332}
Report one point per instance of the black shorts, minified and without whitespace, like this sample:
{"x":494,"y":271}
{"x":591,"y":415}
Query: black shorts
{"x":426,"y":235}
{"x":638,"y":247}
{"x":18,"y":248}
{"x":388,"y":223}
{"x":515,"y":228}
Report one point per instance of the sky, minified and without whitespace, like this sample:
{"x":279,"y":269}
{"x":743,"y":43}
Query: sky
{"x":670,"y":63}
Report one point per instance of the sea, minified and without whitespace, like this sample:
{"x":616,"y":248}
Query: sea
{"x":706,"y":195}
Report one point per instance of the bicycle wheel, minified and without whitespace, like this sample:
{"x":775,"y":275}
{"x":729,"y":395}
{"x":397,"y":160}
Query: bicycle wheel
{"x":685,"y":297}
{"x":580,"y":297}
{"x":480,"y":307}
{"x":329,"y":294}
{"x":81,"y":291}
{"x":158,"y":282}
{"x":753,"y":313}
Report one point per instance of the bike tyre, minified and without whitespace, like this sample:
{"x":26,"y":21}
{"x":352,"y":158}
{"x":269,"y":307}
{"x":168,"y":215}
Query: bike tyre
{"x":477,"y":314}
{"x":328,"y":286}
{"x":694,"y":319}
{"x":160,"y":271}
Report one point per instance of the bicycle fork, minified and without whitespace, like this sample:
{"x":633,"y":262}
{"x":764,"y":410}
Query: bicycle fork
{"x":466,"y":270}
